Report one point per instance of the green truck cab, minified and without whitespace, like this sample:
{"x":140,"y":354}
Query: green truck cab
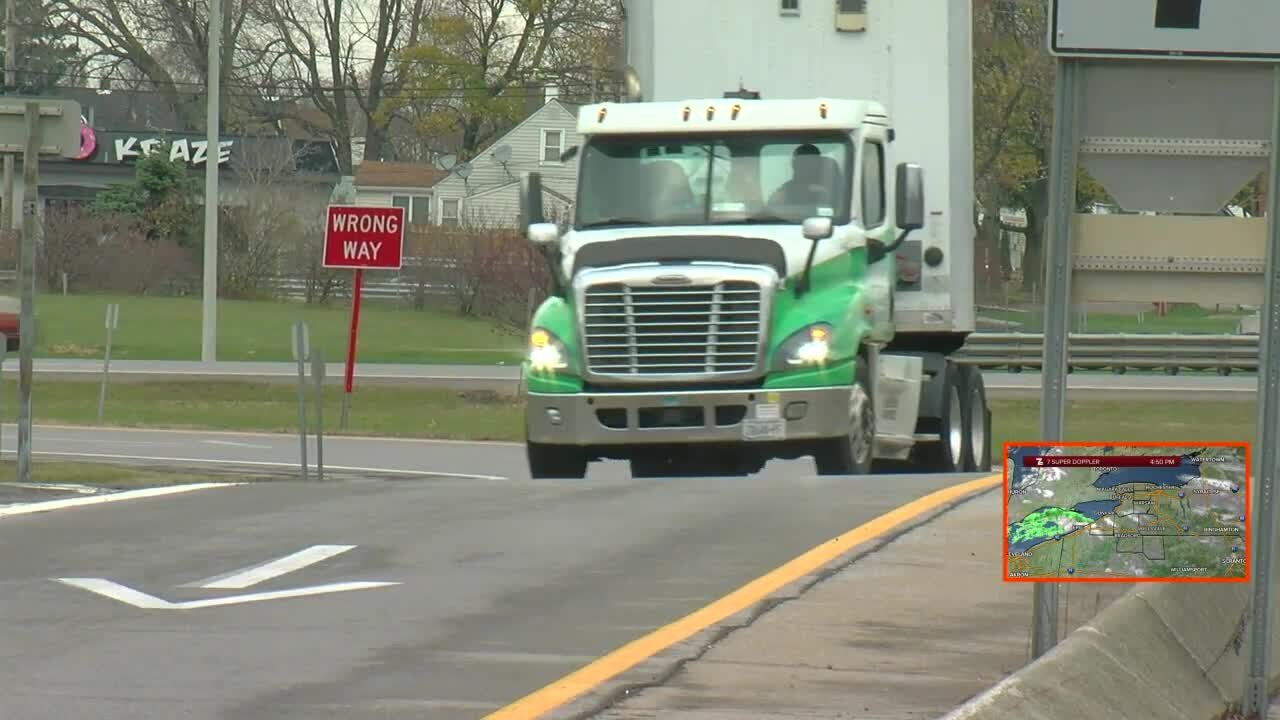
{"x":724,"y":290}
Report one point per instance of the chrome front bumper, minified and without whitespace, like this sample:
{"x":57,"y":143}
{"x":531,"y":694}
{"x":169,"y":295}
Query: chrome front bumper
{"x":707,"y":416}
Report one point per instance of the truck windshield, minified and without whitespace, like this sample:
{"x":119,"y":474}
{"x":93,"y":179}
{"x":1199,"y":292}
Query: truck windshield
{"x":775,"y":178}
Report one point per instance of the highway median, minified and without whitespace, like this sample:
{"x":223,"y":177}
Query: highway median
{"x":436,"y":413}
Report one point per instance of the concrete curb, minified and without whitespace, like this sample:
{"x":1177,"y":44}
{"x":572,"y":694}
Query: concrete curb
{"x":1173,"y":651}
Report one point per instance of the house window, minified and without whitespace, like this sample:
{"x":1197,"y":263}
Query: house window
{"x":417,"y":208}
{"x":449,"y":212}
{"x":873,"y":205}
{"x":851,"y":15}
{"x":552,"y":145}
{"x":790,"y":7}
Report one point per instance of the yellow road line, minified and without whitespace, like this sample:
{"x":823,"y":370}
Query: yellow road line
{"x":628,"y":656}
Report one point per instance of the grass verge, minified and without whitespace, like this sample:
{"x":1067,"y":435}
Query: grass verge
{"x":160,"y":328}
{"x":1191,"y":319}
{"x":117,"y":477}
{"x":434,"y":413}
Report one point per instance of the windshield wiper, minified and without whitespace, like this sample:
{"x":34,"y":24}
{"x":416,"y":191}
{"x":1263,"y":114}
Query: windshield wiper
{"x":610,"y":222}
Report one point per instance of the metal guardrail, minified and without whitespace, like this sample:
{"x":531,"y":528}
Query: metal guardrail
{"x":1117,"y":352}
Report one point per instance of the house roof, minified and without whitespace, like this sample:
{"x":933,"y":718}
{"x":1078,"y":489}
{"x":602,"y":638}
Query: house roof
{"x":373,"y":173}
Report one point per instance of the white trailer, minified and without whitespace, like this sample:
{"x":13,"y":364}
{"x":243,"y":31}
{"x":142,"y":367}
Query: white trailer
{"x":915,"y":58}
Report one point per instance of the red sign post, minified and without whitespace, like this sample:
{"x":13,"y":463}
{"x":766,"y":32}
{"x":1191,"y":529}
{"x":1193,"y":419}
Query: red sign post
{"x":360,"y":238}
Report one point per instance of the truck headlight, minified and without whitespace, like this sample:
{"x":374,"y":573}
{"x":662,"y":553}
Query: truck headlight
{"x":806,"y":347}
{"x":546,"y":352}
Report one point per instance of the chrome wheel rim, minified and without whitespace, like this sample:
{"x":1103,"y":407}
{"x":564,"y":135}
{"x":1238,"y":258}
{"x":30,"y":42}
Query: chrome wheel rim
{"x":955,"y":428}
{"x":978,"y":439}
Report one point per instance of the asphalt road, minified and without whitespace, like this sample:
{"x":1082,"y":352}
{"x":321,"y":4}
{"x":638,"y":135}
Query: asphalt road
{"x":498,"y":377}
{"x":504,"y":584}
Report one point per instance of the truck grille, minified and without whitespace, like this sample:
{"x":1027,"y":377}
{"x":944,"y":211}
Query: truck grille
{"x":702,"y":329}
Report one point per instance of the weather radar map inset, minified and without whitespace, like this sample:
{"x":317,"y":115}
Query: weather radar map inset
{"x":1142,"y":512}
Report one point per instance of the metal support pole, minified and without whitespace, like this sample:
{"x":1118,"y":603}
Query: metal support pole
{"x":1264,"y":508}
{"x":300,"y":352}
{"x":317,"y":374}
{"x":1057,"y":311}
{"x":209,"y":300}
{"x":113,"y":321}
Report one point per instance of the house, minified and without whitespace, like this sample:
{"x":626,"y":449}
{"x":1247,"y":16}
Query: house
{"x":486,"y":191}
{"x":406,"y":185}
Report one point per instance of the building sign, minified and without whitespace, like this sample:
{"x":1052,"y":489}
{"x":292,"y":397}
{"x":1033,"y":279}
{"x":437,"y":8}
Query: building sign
{"x":192,"y":152}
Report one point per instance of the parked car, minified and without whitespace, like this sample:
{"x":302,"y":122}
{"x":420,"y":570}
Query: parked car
{"x":10,"y":309}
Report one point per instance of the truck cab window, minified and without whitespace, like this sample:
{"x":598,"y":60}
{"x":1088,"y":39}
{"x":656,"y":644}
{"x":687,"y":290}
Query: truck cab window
{"x":734,"y":178}
{"x":873,"y":205}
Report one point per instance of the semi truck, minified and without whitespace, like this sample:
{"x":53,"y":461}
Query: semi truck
{"x":770,"y":253}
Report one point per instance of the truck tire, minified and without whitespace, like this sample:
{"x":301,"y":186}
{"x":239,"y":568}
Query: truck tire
{"x":556,"y":462}
{"x":951,"y":454}
{"x":854,"y":453}
{"x":977,"y":421}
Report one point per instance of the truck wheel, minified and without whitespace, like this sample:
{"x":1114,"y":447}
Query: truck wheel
{"x":977,"y":421}
{"x":854,"y":453}
{"x":553,"y":462}
{"x":952,"y":453}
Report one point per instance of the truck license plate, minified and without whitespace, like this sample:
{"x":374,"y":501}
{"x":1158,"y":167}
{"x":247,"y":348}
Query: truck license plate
{"x":754,"y":430}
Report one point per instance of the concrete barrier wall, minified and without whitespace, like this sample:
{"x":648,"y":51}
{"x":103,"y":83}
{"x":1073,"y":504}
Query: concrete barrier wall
{"x":1169,"y":651}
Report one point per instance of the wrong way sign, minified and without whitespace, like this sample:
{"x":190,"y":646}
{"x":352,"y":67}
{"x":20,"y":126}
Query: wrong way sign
{"x":359,"y":238}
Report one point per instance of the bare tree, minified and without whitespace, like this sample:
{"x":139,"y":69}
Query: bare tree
{"x":479,"y":58}
{"x":165,"y":42}
{"x":338,"y":56}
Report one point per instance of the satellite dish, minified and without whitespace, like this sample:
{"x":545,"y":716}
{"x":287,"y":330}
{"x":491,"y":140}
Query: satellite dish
{"x":502,"y":153}
{"x":446,"y":162}
{"x":631,"y":84}
{"x":463,"y":170}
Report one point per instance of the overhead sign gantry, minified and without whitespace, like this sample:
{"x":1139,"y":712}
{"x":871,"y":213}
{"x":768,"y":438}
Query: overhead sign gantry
{"x":1173,"y":105}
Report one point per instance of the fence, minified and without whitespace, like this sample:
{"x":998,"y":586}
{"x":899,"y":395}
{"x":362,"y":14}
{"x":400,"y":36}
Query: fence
{"x":1117,"y":352}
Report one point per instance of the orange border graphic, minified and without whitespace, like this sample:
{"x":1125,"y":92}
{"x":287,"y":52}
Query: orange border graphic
{"x":1248,"y":516}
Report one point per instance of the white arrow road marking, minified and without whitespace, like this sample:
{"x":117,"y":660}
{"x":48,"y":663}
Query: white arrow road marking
{"x":138,"y":599}
{"x":242,"y":579}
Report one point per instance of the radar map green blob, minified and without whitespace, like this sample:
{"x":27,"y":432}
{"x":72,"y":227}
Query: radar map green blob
{"x":1045,"y":524}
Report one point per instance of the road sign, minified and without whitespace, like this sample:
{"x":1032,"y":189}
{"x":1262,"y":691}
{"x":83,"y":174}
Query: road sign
{"x":364,"y":237}
{"x":360,"y":238}
{"x":1234,"y":30}
{"x":59,"y":126}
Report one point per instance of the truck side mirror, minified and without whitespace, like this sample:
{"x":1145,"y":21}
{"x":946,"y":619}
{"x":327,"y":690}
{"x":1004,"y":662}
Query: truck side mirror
{"x":531,"y":212}
{"x":817,"y":228}
{"x":909,"y":211}
{"x":910,"y":197}
{"x":544,"y":234}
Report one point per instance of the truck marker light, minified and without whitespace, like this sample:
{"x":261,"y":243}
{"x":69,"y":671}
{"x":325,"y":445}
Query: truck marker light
{"x":711,"y":112}
{"x":822,"y":110}
{"x":600,"y":115}
{"x":733,"y":114}
{"x":685,"y":113}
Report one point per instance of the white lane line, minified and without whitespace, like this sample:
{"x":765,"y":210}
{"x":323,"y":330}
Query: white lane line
{"x":262,"y":463}
{"x":229,"y":443}
{"x":248,"y":577}
{"x":139,"y":599}
{"x":47,"y":505}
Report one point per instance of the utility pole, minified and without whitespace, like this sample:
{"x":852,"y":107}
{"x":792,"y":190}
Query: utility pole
{"x":10,"y":84}
{"x":209,"y":300}
{"x":27,"y":281}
